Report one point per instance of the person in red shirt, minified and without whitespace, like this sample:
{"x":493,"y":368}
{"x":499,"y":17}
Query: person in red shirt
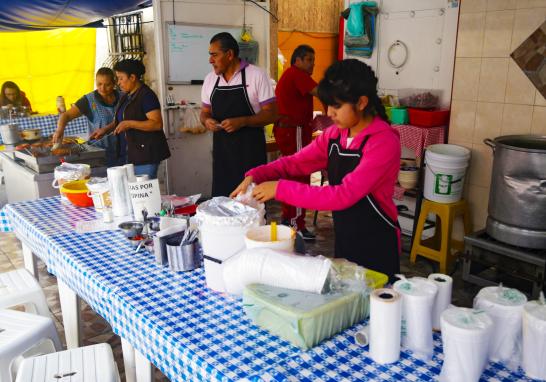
{"x":293,"y":131}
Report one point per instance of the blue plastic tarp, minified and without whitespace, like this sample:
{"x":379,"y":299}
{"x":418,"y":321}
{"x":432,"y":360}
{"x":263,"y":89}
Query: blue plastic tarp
{"x":25,"y":15}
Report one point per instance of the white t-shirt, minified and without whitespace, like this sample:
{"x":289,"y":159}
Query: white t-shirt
{"x":258,"y":85}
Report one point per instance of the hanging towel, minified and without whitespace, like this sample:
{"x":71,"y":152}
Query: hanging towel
{"x":360,"y":31}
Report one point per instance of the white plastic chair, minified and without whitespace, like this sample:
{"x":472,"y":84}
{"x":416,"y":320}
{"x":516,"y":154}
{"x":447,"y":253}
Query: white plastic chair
{"x":19,"y":287}
{"x":20,"y":332}
{"x":90,"y":364}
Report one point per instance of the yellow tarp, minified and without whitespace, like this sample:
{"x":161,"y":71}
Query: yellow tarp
{"x":47,"y":64}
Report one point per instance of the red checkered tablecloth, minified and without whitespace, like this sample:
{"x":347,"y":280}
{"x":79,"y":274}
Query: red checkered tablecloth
{"x":418,"y":138}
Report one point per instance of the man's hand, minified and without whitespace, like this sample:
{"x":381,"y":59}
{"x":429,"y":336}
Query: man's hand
{"x":265,"y":191}
{"x":241,"y":188}
{"x":57,"y":136}
{"x":122,"y":126}
{"x":231,"y":125}
{"x":97,"y":134}
{"x":212,"y":125}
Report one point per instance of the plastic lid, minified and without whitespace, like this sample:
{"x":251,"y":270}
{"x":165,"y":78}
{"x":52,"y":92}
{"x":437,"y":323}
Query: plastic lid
{"x":467,"y":319}
{"x":222,"y":210}
{"x":416,"y":286}
{"x":502,"y":296}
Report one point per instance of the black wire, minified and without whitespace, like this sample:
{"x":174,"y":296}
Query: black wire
{"x":174,"y":20}
{"x":258,"y":5}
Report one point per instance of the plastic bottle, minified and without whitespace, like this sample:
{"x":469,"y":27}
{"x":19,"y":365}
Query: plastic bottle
{"x":61,"y":107}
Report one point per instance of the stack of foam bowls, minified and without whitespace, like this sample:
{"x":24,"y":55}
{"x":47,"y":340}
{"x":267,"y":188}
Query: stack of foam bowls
{"x":505,"y":307}
{"x":465,"y":337}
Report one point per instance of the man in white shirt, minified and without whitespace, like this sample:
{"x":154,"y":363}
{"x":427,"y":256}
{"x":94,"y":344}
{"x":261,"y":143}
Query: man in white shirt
{"x":237,"y":102}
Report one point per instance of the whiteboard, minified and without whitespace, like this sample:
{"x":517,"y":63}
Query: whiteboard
{"x":188,"y":50}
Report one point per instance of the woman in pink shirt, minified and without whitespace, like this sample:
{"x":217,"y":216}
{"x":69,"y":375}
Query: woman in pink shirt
{"x":361,"y":152}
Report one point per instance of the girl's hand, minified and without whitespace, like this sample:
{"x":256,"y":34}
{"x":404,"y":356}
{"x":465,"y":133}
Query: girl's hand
{"x":241,"y":188}
{"x":265,"y":191}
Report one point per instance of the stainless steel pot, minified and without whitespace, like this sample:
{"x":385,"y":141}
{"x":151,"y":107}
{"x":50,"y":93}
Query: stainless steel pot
{"x":10,"y":134}
{"x":517,"y":197}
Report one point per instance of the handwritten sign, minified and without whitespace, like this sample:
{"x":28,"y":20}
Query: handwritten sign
{"x":145,"y":194}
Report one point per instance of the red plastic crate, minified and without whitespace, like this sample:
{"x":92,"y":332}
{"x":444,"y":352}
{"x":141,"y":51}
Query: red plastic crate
{"x":428,"y":118}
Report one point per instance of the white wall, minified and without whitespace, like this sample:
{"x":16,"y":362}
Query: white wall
{"x":429,"y":30}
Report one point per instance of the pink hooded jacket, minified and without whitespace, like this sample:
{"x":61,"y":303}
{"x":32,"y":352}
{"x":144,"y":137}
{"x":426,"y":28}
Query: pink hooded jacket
{"x":376,"y":173}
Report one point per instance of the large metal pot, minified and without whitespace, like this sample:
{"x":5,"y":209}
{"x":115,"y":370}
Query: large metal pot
{"x":517,"y":197}
{"x":10,"y":134}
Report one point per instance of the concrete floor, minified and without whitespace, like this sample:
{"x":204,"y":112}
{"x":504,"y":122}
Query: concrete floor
{"x":97,"y":330}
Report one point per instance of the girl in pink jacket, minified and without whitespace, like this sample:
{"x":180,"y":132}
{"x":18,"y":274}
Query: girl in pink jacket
{"x":361,"y":153}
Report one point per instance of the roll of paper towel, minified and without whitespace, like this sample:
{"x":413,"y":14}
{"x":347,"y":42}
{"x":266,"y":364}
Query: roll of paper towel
{"x":130,"y":168}
{"x":465,"y":337}
{"x":534,"y":339}
{"x":443,"y":297}
{"x":418,"y":295}
{"x":119,"y":191}
{"x":385,"y":320}
{"x":505,"y":307}
{"x":276,"y":268}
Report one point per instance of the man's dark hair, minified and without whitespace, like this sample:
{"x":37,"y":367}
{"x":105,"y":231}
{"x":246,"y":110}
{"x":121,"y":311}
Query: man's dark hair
{"x":129,"y":67}
{"x":104,"y":71}
{"x":300,"y":52}
{"x":227,"y":42}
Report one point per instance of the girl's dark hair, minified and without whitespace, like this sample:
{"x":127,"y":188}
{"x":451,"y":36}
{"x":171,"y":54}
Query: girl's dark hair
{"x":104,"y":71}
{"x":10,"y":85}
{"x":346,"y":81}
{"x":129,"y":67}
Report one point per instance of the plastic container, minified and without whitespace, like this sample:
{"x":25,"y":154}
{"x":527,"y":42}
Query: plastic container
{"x":399,"y":115}
{"x":100,"y":193}
{"x":260,"y":237}
{"x":420,"y":98}
{"x":445,"y":171}
{"x":76,"y":192}
{"x":428,"y":118}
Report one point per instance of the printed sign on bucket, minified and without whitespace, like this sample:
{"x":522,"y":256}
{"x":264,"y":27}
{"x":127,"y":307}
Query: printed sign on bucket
{"x":442,"y":184}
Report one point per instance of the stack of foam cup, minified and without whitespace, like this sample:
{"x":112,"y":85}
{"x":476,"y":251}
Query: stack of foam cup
{"x":534,"y":338}
{"x":384,"y":328}
{"x":443,"y":297}
{"x":465,"y":337}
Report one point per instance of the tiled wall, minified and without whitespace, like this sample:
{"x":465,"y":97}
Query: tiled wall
{"x":491,"y":95}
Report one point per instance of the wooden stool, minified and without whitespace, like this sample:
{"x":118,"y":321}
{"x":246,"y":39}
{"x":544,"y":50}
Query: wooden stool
{"x":438,"y":247}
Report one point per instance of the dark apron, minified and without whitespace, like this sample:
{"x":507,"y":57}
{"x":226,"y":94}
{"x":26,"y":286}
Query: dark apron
{"x":365,"y":234}
{"x":233,"y":154}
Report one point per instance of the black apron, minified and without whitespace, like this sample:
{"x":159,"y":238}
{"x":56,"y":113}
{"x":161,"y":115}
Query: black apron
{"x":365,"y":234}
{"x":233,"y":154}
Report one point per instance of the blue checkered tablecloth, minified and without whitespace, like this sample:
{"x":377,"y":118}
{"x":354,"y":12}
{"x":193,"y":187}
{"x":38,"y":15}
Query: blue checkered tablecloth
{"x":187,"y":330}
{"x":48,"y":124}
{"x":5,"y":225}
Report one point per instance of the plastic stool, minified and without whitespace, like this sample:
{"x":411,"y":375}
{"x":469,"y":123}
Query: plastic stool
{"x":439,"y":247}
{"x":19,"y":333}
{"x":90,"y":364}
{"x":19,"y":287}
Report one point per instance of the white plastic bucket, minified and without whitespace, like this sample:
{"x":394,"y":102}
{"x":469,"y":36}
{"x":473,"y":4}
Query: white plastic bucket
{"x":260,"y":237}
{"x":445,"y":171}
